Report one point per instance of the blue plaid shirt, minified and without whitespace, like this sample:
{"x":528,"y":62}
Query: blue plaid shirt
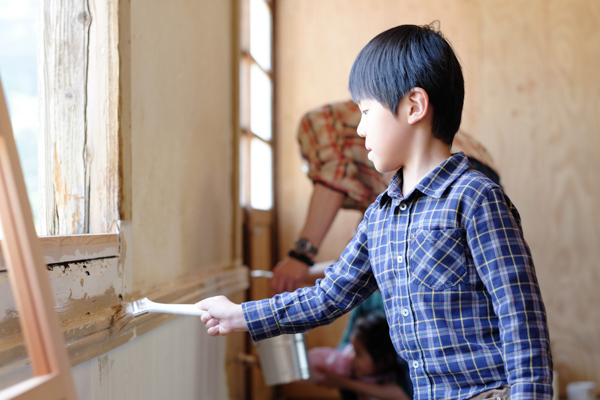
{"x":458,"y":284}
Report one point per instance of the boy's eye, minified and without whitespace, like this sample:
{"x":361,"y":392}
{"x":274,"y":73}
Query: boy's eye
{"x":365,"y":112}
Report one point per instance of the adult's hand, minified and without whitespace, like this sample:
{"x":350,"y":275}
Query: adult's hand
{"x":222,"y":316}
{"x":288,"y":275}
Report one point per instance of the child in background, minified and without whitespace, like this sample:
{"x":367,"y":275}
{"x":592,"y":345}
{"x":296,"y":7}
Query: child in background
{"x":366,"y":368}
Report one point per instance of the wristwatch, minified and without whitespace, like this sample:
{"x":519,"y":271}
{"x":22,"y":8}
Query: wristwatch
{"x":304,"y":246}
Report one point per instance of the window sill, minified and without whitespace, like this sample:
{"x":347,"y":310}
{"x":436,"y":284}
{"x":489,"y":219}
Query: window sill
{"x":87,"y":278}
{"x":72,"y":248}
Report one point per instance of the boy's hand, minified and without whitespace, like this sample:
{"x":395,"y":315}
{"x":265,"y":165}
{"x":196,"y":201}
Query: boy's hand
{"x":222,"y":316}
{"x":288,"y":275}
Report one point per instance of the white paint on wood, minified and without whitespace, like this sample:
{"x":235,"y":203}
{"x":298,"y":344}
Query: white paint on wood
{"x":178,"y":360}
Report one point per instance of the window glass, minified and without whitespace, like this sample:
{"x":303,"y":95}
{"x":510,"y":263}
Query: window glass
{"x":243,"y":168}
{"x":244,"y":95}
{"x":18,"y":70}
{"x":260,"y":103}
{"x":260,"y":33}
{"x":261,"y":175}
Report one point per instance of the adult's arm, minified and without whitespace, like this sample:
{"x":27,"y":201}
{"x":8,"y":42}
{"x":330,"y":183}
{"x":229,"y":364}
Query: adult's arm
{"x":290,"y":274}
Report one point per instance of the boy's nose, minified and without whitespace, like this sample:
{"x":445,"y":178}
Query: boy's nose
{"x":360,"y":129}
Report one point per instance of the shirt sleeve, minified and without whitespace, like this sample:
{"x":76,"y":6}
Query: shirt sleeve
{"x":335,"y":155}
{"x":504,"y":263}
{"x":345,"y":285}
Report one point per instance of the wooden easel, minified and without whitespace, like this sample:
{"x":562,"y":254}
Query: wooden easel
{"x":29,"y":281}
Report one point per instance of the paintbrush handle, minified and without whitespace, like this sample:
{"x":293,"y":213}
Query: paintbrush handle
{"x":183,"y":309}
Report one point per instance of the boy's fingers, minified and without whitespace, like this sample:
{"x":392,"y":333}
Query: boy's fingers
{"x":205,"y":317}
{"x":212,"y":323}
{"x":214,"y":331}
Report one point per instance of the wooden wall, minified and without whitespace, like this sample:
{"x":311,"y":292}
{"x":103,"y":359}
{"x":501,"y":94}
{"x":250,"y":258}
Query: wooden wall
{"x":177,"y":205}
{"x":532,"y":98}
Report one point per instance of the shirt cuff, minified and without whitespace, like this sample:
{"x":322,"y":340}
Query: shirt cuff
{"x":530,"y":391}
{"x":260,"y":319}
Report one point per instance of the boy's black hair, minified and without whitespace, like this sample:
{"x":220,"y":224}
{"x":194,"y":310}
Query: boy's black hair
{"x":409,"y":56}
{"x":374,"y":333}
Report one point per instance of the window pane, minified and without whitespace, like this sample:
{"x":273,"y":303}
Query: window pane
{"x":243,"y":169}
{"x":261,"y":175}
{"x":260,"y":103}
{"x":260,"y":33}
{"x":18,"y":70}
{"x":244,"y":95}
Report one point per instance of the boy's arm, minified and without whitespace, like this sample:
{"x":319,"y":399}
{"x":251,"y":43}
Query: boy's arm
{"x":504,"y":263}
{"x":345,"y":285}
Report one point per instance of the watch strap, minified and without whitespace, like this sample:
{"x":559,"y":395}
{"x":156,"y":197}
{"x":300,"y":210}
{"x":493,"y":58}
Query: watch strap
{"x":301,"y":257}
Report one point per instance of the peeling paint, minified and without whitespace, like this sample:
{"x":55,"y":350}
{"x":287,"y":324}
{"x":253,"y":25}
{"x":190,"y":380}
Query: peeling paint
{"x":97,"y":275}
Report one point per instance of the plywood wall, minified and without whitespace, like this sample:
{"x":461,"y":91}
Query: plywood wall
{"x":181,"y":137}
{"x":532,"y":98}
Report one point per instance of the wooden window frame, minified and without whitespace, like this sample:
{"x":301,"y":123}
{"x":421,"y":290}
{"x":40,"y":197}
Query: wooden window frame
{"x":79,"y":118}
{"x":80,"y":161}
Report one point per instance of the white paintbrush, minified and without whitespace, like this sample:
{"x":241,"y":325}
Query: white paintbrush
{"x":125,"y":312}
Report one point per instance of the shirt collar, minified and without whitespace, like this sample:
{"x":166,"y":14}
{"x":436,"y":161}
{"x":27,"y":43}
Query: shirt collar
{"x":435,"y":183}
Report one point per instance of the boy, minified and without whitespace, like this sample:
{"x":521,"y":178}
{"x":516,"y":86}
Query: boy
{"x":443,"y":243}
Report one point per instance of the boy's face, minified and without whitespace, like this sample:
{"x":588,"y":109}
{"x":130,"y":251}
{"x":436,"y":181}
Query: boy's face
{"x":386,"y":135}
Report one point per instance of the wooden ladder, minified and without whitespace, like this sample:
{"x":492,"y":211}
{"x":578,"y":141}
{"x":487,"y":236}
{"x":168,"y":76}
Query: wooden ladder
{"x":29,"y":281}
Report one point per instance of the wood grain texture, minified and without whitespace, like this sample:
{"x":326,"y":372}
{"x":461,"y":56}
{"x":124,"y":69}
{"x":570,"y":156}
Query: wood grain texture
{"x":102,"y":126}
{"x":79,"y":95}
{"x":62,"y":90}
{"x":532,"y":98}
{"x":540,"y":119}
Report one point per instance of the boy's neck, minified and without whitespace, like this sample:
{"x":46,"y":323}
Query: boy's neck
{"x":427,"y":155}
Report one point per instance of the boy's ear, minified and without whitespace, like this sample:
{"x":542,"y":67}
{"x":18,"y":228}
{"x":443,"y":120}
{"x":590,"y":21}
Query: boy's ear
{"x":418,"y":103}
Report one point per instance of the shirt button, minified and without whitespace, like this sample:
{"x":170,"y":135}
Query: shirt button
{"x":402,"y":206}
{"x":415,"y":364}
{"x":400,"y":259}
{"x":405,"y":312}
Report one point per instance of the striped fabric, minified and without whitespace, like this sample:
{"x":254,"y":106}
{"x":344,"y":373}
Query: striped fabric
{"x":336,"y":156}
{"x":457,"y":281}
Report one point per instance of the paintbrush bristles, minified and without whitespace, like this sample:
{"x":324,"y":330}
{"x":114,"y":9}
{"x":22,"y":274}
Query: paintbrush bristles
{"x":123,"y":315}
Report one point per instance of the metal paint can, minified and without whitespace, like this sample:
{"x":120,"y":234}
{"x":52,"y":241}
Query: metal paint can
{"x":283,"y":359}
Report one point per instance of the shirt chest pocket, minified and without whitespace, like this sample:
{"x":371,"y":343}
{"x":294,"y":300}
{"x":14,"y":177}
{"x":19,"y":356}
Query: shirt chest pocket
{"x":437,"y":258}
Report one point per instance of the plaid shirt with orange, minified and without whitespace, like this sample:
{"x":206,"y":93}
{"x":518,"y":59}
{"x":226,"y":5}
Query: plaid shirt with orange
{"x":336,"y":156}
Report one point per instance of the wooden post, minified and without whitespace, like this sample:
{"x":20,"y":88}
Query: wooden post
{"x":29,"y":281}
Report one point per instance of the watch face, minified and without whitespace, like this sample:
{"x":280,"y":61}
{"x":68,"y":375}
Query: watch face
{"x":303,"y":245}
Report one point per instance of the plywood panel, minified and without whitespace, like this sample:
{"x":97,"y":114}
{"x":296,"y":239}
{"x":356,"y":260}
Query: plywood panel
{"x":181,"y":137}
{"x":532,"y":98}
{"x":541,"y":94}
